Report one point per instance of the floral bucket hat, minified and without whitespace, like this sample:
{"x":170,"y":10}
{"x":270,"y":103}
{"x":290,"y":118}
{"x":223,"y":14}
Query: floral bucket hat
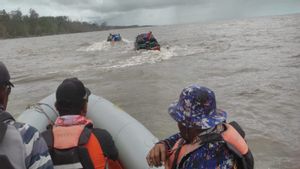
{"x":196,"y":107}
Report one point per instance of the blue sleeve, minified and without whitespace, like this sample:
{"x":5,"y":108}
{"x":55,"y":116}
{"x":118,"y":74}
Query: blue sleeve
{"x":37,"y":155}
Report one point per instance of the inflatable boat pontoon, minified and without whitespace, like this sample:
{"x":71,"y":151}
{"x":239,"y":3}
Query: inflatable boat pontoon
{"x":132,"y":139}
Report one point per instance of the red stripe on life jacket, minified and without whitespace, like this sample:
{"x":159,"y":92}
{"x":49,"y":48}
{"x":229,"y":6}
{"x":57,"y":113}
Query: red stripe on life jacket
{"x":184,"y":150}
{"x":96,"y":153}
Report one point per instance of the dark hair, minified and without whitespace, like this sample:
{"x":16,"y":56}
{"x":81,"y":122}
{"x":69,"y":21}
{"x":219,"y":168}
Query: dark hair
{"x":71,"y":97}
{"x":67,"y":108}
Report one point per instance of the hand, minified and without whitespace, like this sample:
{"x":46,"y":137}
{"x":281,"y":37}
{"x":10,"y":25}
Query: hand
{"x":157,"y":155}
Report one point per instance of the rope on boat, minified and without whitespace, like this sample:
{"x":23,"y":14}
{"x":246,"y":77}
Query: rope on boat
{"x":38,"y":108}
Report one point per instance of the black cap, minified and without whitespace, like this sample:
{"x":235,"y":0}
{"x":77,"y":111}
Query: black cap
{"x":4,"y":75}
{"x":72,"y":92}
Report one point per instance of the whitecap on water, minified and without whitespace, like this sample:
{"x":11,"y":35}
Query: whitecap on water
{"x":105,"y":46}
{"x":144,"y":57}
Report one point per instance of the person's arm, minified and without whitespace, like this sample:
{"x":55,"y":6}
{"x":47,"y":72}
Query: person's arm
{"x":159,"y":152}
{"x":107,"y":143}
{"x":170,"y":141}
{"x":37,"y":155}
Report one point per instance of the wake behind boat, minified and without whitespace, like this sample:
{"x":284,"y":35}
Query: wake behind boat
{"x":132,"y":139}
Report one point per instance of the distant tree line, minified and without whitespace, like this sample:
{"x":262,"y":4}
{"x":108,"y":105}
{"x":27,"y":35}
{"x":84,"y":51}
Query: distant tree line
{"x":14,"y":24}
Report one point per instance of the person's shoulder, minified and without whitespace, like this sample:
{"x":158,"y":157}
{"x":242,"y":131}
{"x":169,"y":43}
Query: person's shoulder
{"x":101,"y":132}
{"x":103,"y":136}
{"x":107,"y":143}
{"x":23,"y":127}
{"x":27,"y":131}
{"x":36,"y":148}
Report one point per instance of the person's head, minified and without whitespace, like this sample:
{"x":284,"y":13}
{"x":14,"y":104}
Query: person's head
{"x":5,"y":85}
{"x":196,"y":111}
{"x":72,"y":97}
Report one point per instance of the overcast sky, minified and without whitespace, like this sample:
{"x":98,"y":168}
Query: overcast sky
{"x":153,"y":12}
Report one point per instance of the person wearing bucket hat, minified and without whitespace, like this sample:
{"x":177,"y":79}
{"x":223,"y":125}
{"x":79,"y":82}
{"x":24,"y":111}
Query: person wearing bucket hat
{"x":72,"y":140}
{"x":21,"y":145}
{"x":197,"y":108}
{"x":205,"y":139}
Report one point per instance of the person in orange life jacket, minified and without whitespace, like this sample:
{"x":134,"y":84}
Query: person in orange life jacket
{"x":72,"y":141}
{"x":205,"y":139}
{"x":21,"y":145}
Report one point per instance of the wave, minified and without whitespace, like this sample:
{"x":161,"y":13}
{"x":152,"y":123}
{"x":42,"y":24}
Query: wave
{"x":105,"y":46}
{"x":145,"y":56}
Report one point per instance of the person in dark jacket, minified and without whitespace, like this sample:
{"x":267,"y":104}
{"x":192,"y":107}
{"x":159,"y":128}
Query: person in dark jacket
{"x":21,"y":146}
{"x":72,"y":141}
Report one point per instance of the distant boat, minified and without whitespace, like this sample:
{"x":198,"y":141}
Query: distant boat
{"x":114,"y":37}
{"x":146,"y":41}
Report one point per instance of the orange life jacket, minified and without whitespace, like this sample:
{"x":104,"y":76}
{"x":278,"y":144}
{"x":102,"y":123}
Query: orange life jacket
{"x":178,"y":152}
{"x":231,"y":137}
{"x":76,"y":146}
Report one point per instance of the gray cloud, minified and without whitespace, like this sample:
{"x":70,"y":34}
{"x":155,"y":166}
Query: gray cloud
{"x":149,"y":12}
{"x":108,"y":6}
{"x":121,"y":5}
